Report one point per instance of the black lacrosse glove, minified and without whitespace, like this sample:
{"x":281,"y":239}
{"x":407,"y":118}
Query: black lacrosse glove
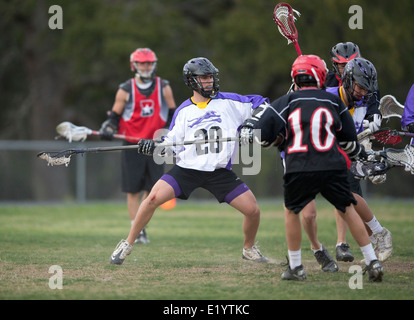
{"x":410,"y":127}
{"x":359,"y":153}
{"x":146,"y":146}
{"x":110,"y":126}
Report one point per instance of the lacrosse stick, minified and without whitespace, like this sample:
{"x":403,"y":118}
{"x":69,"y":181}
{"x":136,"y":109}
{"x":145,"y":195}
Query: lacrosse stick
{"x":285,"y":20}
{"x":56,"y":158}
{"x":389,"y":136}
{"x":398,"y":157}
{"x":366,"y":133}
{"x":390,"y":107}
{"x":71,"y":132}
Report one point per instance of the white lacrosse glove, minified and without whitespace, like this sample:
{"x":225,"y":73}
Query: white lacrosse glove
{"x":246,"y":133}
{"x":381,"y":178}
{"x":373,"y":123}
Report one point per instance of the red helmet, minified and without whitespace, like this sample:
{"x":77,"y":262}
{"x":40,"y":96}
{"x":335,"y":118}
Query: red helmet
{"x":309,"y":68}
{"x":143,"y":55}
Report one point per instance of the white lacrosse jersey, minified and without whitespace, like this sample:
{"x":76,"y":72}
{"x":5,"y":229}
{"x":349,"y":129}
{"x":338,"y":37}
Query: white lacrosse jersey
{"x":220,"y":117}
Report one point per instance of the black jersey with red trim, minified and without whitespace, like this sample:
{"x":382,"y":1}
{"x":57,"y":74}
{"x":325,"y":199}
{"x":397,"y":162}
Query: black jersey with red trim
{"x":312,"y":122}
{"x":332,"y":80}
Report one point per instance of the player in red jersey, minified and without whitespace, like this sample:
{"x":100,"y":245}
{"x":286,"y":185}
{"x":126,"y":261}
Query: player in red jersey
{"x":317,"y":129}
{"x":142,"y":106}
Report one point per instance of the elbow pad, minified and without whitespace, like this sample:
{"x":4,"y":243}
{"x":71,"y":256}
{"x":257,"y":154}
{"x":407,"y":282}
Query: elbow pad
{"x":258,"y":112}
{"x":353,"y":149}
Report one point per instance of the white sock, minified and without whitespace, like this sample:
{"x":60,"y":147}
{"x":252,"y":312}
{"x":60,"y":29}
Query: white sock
{"x":320,"y":249}
{"x":368,"y":253}
{"x":374,"y":225}
{"x":295,"y":258}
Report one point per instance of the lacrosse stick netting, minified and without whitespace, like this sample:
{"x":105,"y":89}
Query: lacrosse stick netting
{"x":399,"y":157}
{"x":387,"y":136}
{"x":55,"y":158}
{"x":71,"y":132}
{"x":390,"y":107}
{"x":285,"y":20}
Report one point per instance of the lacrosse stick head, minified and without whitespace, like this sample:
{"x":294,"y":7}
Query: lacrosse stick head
{"x":387,"y":136}
{"x":56,"y":158}
{"x":285,"y":20}
{"x":400,"y":157}
{"x":71,"y":132}
{"x":390,"y":107}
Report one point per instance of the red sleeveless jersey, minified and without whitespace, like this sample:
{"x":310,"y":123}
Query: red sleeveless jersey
{"x":143,"y":115}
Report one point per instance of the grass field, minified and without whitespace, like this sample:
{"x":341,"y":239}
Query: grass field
{"x":194,"y":254}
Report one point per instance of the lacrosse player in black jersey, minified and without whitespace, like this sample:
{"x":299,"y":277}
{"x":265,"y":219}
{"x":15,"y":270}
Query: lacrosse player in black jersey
{"x":317,"y":133}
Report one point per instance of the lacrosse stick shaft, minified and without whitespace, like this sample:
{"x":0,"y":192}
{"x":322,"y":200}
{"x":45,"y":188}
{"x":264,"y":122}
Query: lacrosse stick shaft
{"x":296,"y":44}
{"x":406,"y":134}
{"x":366,"y":133}
{"x":117,"y":136}
{"x":135,"y":146}
{"x":71,"y":132}
{"x":172,"y":144}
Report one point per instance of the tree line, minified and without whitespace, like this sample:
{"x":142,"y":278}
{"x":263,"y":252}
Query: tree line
{"x":72,"y":73}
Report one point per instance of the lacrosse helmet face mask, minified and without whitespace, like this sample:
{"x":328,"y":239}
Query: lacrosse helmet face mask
{"x":199,"y":67}
{"x":343,"y":52}
{"x":363,"y":72}
{"x":144,"y":55}
{"x":309,"y":70}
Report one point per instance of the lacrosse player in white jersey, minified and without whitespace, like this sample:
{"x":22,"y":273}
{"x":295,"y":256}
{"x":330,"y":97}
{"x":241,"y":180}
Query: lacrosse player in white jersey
{"x":208,"y":114}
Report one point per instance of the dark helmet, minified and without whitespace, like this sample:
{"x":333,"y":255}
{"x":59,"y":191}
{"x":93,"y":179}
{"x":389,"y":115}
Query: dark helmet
{"x":199,"y":67}
{"x":362,"y":71}
{"x":343,"y":52}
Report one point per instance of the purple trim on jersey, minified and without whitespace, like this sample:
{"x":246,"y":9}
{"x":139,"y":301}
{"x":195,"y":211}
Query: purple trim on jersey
{"x":408,"y":114}
{"x":186,"y":103}
{"x":229,"y":165}
{"x":173,"y":183}
{"x":240,"y":189}
{"x":255,"y":99}
{"x":334,"y":90}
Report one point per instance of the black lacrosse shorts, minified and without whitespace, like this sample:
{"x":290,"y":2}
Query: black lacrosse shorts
{"x":300,"y":188}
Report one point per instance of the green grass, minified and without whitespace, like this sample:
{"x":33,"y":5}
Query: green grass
{"x":194,"y":254}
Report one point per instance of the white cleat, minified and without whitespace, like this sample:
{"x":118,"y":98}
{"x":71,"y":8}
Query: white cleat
{"x":121,"y":251}
{"x":383,"y":244}
{"x":253,"y":254}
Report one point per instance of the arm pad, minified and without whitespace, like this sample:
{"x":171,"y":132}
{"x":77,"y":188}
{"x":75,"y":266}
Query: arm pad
{"x":353,"y":149}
